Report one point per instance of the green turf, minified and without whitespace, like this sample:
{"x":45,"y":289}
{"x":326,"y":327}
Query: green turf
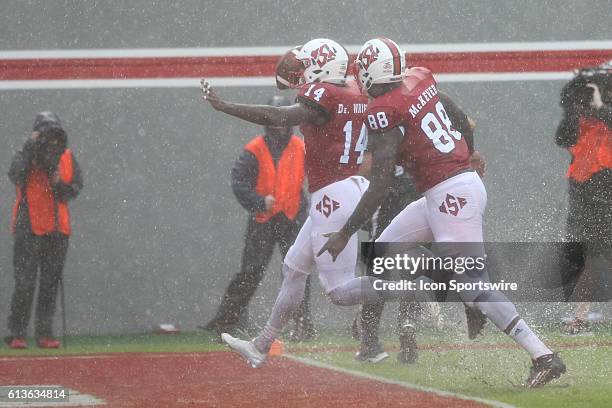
{"x":497,"y":374}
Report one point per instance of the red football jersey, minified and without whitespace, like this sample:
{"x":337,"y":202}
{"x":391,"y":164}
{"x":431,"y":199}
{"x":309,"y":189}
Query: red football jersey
{"x":334,"y":150}
{"x":432,"y":149}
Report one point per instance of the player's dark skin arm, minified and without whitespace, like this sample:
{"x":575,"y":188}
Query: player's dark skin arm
{"x":459,"y":119}
{"x":466,"y":125}
{"x":265,"y":115}
{"x":383,"y":148}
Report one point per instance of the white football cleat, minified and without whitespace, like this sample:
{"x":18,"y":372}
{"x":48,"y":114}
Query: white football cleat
{"x":246,"y":349}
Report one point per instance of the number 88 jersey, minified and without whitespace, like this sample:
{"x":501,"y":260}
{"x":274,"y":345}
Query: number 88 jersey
{"x":335,"y":149}
{"x":432,"y":149}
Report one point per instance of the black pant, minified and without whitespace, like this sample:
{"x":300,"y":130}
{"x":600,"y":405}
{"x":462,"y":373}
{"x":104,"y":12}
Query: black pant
{"x":36,"y":258}
{"x":589,"y":234}
{"x":259,"y":245}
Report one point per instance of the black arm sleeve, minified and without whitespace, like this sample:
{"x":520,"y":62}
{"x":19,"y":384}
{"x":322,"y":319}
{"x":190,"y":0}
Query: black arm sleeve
{"x":244,"y":180}
{"x":459,"y":119}
{"x":567,"y":131}
{"x":66,"y":192}
{"x":21,"y":163}
{"x":605,"y":115}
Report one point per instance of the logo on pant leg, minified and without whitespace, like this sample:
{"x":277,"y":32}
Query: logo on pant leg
{"x":452,"y":205}
{"x":327,"y":206}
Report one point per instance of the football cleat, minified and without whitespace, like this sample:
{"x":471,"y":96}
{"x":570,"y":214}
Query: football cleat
{"x":246,"y":349}
{"x":575,"y":327}
{"x":545,"y":369}
{"x":371,"y":354}
{"x":409,"y":352}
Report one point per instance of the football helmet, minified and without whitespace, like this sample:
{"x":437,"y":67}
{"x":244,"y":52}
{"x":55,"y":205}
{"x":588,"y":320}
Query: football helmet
{"x":324,"y":61}
{"x":380,"y":61}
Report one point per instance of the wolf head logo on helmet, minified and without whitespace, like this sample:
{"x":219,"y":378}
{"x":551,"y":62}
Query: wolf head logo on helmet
{"x":322,"y":55}
{"x":367,"y":56}
{"x":324,"y":60}
{"x":380,"y":61}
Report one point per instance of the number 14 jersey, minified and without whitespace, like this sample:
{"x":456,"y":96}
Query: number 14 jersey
{"x":432,"y":149}
{"x":334,"y":150}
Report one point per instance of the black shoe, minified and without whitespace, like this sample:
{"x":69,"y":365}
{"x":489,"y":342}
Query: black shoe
{"x":218,"y":327}
{"x":304,"y":330}
{"x":409,"y":352}
{"x":371,"y":354}
{"x":476,"y":321}
{"x":545,"y":369}
{"x":575,"y":327}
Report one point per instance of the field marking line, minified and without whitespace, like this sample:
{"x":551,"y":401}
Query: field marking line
{"x":315,"y":349}
{"x":93,"y":356}
{"x":404,"y":384}
{"x":280,"y":50}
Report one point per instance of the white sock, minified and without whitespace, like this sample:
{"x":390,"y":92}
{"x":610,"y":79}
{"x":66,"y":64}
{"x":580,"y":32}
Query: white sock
{"x":288,"y":300}
{"x":526,"y":338}
{"x":264,"y":341}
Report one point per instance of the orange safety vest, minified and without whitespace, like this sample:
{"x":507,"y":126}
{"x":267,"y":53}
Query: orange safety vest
{"x":592,"y":152}
{"x":46,"y":214}
{"x":284,"y":181}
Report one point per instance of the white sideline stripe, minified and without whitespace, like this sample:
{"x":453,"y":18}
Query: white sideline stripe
{"x":404,"y":384}
{"x":280,"y":50}
{"x":95,"y":356}
{"x":248,"y":81}
{"x":503,"y":76}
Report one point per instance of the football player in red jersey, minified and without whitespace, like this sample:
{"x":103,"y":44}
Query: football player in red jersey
{"x":408,"y":125}
{"x":330,"y":111}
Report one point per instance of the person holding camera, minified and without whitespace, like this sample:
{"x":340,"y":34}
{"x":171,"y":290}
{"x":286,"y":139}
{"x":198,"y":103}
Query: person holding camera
{"x":586,"y":132}
{"x":46,"y":176}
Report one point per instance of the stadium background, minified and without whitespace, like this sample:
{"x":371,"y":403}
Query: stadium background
{"x":158,"y":233}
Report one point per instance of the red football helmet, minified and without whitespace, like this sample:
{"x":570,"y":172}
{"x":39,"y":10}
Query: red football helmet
{"x":290,"y":70}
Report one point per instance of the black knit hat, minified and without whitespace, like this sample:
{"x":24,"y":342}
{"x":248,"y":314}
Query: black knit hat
{"x":46,"y":118}
{"x":50,"y":127}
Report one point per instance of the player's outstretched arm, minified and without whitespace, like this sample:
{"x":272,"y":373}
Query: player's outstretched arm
{"x":265,"y":115}
{"x":383,"y":147}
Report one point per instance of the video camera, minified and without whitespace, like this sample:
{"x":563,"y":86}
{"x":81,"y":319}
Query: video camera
{"x":49,"y":145}
{"x":577,"y":94}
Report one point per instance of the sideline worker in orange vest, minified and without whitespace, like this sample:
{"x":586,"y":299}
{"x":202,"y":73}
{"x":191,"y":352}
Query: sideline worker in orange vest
{"x":46,"y":176}
{"x":267,"y":180}
{"x":586,"y":131}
